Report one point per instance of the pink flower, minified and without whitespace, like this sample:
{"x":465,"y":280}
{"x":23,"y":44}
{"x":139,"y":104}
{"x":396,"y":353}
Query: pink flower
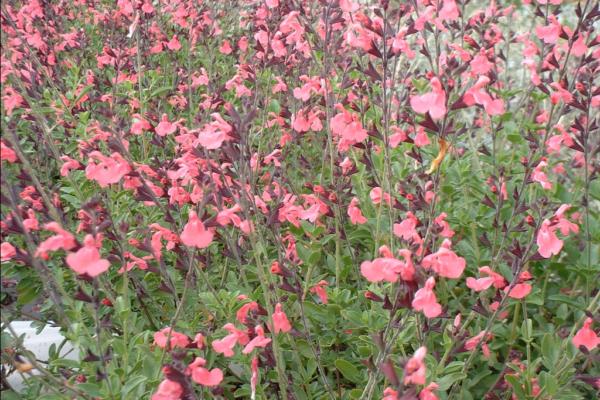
{"x":319,"y":290}
{"x":108,"y":170}
{"x":414,"y":371}
{"x":225,"y":47}
{"x":7,"y":251}
{"x":472,"y":343}
{"x":539,"y":176}
{"x":433,"y":102}
{"x":426,"y":301}
{"x":202,"y":375}
{"x":195,"y":234}
{"x":199,"y":340}
{"x":87,"y":260}
{"x":213,"y":135}
{"x":165,"y":127}
{"x":579,"y":47}
{"x":6,"y":153}
{"x":348,"y":128}
{"x":11,"y":100}
{"x":62,"y":240}
{"x":519,"y":291}
{"x":407,"y":228}
{"x":176,"y":340}
{"x":421,"y":139}
{"x":440,"y":220}
{"x":376,"y":195}
{"x":563,"y":224}
{"x":242,"y":313}
{"x":480,"y":63}
{"x":174,"y":44}
{"x":349,"y":6}
{"x":427,"y":392}
{"x":356,"y":216}
{"x":225,"y":345}
{"x":303,"y":121}
{"x":549,"y":33}
{"x":548,"y":243}
{"x":492,"y":278}
{"x":586,"y":336}
{"x":259,"y":341}
{"x":445,"y":262}
{"x":449,"y":11}
{"x":477,"y":94}
{"x":168,"y":390}
{"x":390,"y":394}
{"x":69,"y":164}
{"x":280,"y":320}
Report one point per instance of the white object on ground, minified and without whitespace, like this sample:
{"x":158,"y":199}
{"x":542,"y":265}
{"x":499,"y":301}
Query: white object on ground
{"x":39,"y":344}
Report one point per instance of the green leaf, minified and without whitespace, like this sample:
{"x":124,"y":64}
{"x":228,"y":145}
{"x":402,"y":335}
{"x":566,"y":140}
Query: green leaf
{"x":90,"y":388}
{"x":348,"y":370}
{"x":561,"y":298}
{"x":133,"y":383}
{"x":448,"y":380}
{"x":548,"y":382}
{"x":516,"y":385}
{"x":550,"y":351}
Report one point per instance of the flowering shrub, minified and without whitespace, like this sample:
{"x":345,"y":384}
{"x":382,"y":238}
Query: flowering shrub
{"x":302,"y":199}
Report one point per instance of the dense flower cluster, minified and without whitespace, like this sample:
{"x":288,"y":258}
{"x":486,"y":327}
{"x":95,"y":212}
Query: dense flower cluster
{"x":303,"y":199}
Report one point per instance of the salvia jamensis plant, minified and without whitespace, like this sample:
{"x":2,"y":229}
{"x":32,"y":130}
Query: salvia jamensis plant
{"x":292,"y":199}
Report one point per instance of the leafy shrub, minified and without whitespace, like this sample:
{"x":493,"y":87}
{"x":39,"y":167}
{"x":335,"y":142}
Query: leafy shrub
{"x":302,"y":199}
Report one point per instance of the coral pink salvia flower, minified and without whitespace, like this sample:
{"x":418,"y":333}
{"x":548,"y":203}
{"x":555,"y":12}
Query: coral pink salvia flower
{"x":355,"y":214}
{"x":586,"y":336}
{"x":428,"y":392}
{"x":168,"y":390}
{"x":421,"y":139}
{"x":376,"y":195}
{"x":213,"y":135}
{"x":426,"y":301}
{"x":225,"y":346}
{"x":199,"y":341}
{"x":204,"y":376}
{"x":549,"y":33}
{"x":258,"y":341}
{"x":280,"y":320}
{"x":407,"y":228}
{"x":107,"y":170}
{"x":519,"y":291}
{"x":491,"y":278}
{"x":390,"y":394}
{"x":445,"y":262}
{"x":472,"y":343}
{"x":7,"y":251}
{"x":548,"y":243}
{"x":7,"y":154}
{"x":319,"y":290}
{"x":176,"y":340}
{"x":433,"y":102}
{"x":242,"y":313}
{"x":165,"y":127}
{"x":195,"y":234}
{"x":68,"y":165}
{"x":378,"y":270}
{"x":62,"y":240}
{"x":539,"y":176}
{"x":348,"y":128}
{"x":87,"y":259}
{"x":414,"y":371}
{"x":562,"y":223}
